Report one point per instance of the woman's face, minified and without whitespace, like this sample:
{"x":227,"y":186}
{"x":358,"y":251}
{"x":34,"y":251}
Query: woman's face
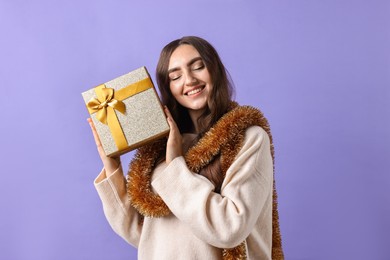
{"x":190,"y":81}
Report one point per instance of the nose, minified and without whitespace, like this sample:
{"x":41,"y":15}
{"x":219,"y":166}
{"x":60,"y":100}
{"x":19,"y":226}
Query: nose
{"x":190,"y":79}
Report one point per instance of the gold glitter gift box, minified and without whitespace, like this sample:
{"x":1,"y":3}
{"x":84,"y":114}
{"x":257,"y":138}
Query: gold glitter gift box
{"x":126,"y":112}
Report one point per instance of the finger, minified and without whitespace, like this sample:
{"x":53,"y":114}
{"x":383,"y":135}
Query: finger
{"x":172,"y":127}
{"x":94,"y":132}
{"x":171,"y":122}
{"x":169,"y":117}
{"x":167,"y":112}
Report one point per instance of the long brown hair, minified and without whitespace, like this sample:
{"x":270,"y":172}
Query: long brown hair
{"x":218,"y":101}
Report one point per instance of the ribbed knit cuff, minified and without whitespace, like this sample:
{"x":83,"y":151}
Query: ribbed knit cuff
{"x":113,"y":187}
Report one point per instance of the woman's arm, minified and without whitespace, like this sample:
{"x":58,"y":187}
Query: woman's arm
{"x":121,"y":216}
{"x":111,"y":187}
{"x":223,"y":220}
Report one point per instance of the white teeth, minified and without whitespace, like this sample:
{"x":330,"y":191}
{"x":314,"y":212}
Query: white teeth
{"x":192,"y":92}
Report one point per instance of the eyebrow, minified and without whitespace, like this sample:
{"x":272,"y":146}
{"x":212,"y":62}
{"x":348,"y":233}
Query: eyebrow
{"x":192,"y":61}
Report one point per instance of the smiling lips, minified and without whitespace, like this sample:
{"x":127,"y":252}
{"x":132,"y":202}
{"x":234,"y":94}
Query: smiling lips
{"x":194,"y":91}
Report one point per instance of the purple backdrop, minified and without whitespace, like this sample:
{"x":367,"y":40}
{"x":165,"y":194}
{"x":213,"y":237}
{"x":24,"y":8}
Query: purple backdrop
{"x":319,"y":70}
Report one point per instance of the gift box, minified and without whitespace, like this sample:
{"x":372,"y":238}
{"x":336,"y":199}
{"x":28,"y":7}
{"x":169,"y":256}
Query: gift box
{"x":127,"y":112}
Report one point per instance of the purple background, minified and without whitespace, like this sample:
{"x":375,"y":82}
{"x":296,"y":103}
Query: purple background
{"x":319,"y":70}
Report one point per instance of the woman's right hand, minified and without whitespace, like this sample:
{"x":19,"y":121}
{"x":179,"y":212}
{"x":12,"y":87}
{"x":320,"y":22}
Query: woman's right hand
{"x":174,"y":143}
{"x":110,"y":163}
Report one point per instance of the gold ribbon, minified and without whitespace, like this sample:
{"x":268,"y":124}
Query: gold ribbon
{"x":108,"y":100}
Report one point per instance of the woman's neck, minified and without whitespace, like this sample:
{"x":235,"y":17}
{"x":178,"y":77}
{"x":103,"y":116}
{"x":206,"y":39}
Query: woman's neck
{"x":194,"y":115}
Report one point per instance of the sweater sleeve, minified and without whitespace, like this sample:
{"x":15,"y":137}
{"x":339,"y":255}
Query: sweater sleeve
{"x":222,"y":220}
{"x":121,"y":216}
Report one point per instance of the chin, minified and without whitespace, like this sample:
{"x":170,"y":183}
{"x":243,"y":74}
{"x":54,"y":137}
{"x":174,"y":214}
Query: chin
{"x":197,"y":106}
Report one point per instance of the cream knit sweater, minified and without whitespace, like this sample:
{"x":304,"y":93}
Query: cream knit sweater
{"x":202,"y":222}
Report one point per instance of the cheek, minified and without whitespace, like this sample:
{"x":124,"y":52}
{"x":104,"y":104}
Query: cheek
{"x":206,"y":75}
{"x":174,"y":90}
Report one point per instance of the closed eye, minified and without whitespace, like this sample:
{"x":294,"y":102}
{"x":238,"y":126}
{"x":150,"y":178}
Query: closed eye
{"x":199,"y":67}
{"x":175,"y":78}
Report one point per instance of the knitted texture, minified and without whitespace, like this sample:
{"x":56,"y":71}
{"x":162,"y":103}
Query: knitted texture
{"x":225,"y":139}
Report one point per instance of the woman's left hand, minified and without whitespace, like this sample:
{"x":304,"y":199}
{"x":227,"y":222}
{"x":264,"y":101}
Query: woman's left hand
{"x":174,"y":144}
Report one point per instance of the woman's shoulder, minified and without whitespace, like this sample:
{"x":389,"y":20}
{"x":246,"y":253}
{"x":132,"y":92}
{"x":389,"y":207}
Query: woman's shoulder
{"x":256,"y":133}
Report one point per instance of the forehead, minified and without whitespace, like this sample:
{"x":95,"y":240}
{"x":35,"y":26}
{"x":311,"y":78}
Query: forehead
{"x":182,"y":56}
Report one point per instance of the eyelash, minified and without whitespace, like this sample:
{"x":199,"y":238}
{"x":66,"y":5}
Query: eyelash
{"x":199,"y":68}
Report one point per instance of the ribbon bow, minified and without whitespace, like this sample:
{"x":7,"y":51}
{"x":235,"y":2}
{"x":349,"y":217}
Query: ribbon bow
{"x":108,"y":101}
{"x":100,"y":105}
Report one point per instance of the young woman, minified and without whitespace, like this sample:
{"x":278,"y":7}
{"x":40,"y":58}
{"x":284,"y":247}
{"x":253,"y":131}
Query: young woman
{"x":207,"y":191}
